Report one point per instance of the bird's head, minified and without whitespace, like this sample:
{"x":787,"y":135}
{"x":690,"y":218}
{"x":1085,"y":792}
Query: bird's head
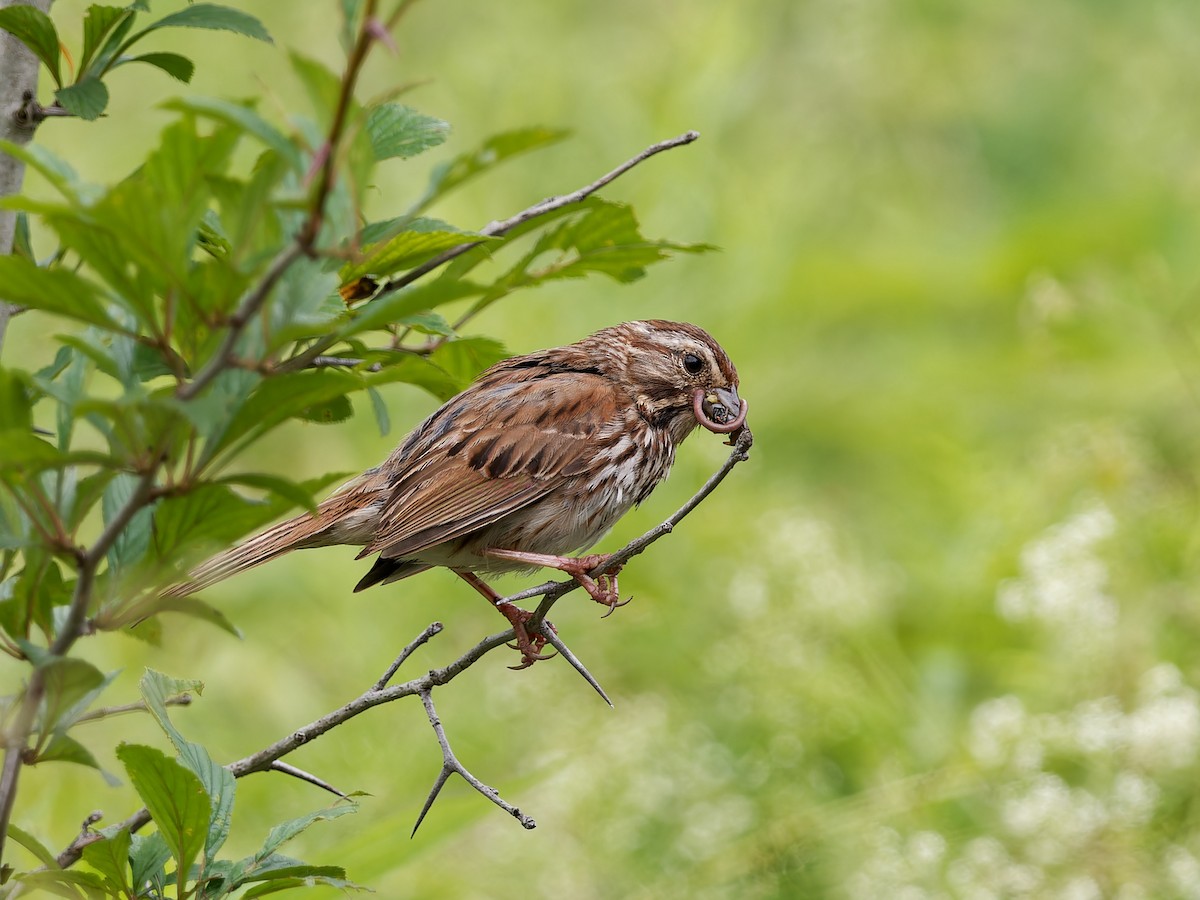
{"x":678,"y":374}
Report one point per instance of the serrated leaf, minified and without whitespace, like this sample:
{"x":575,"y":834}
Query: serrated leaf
{"x":148,"y":859}
{"x":211,"y":514}
{"x":287,"y":884}
{"x":35,"y":30}
{"x":87,"y":98}
{"x":420,"y":241}
{"x":134,"y":540}
{"x":398,"y":130}
{"x":285,"y":831}
{"x":495,"y":150}
{"x":174,"y":797}
{"x":210,"y":16}
{"x":57,"y":291}
{"x":156,"y":689}
{"x":177,"y":66}
{"x":22,"y":240}
{"x":243,"y":118}
{"x":297,"y":870}
{"x":110,"y":857}
{"x":98,"y":21}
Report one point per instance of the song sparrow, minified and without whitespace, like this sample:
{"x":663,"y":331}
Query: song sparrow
{"x":539,"y":457}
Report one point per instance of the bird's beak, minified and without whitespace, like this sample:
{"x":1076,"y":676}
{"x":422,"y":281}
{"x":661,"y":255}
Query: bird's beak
{"x":720,"y":410}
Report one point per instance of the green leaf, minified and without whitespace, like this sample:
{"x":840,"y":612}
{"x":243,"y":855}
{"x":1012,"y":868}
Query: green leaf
{"x":64,"y":748}
{"x":287,"y":884}
{"x":285,"y":831}
{"x":98,"y":21}
{"x":133,"y":541}
{"x":15,"y":402}
{"x":177,"y":66}
{"x":110,"y":857}
{"x":57,"y":291}
{"x":196,"y":608}
{"x":147,"y":861}
{"x":285,"y":488}
{"x":420,"y":241}
{"x":210,"y":16}
{"x":465,"y":358}
{"x":22,"y":240}
{"x":241,"y":117}
{"x":35,"y":30}
{"x":397,"y":130}
{"x":87,"y":98}
{"x":65,"y":883}
{"x":44,"y":855}
{"x":495,"y":150}
{"x":382,"y":418}
{"x":67,"y":680}
{"x":174,"y":797}
{"x":211,"y":514}
{"x":321,"y":85}
{"x":156,"y":689}
{"x":54,"y":169}
{"x":328,"y":412}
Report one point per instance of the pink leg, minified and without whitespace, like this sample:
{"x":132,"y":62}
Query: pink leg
{"x":530,"y":647}
{"x":603,"y":589}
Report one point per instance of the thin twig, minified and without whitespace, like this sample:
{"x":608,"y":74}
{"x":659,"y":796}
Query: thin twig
{"x":450,"y":765}
{"x":139,"y":706}
{"x":434,"y":628}
{"x":494,"y":229}
{"x":288,"y":769}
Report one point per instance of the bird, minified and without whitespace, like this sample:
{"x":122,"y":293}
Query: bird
{"x":537,"y":458}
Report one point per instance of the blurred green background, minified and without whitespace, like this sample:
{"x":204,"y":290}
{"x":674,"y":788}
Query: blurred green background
{"x":938,"y":637}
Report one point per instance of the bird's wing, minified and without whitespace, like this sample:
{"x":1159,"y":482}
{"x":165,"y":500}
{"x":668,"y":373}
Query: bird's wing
{"x":494,"y":449}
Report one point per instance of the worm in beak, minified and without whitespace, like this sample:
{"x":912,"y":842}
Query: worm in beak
{"x":720,"y":410}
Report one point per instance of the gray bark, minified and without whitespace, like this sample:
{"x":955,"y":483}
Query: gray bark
{"x":18,"y":78}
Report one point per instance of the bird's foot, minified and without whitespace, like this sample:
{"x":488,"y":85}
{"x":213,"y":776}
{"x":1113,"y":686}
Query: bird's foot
{"x":530,"y":646}
{"x":603,"y":588}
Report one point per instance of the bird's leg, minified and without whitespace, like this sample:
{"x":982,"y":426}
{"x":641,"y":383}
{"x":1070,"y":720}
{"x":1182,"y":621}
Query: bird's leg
{"x":530,"y":647}
{"x":602,"y":588}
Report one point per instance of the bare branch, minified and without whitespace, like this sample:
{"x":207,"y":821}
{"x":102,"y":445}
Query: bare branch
{"x":288,"y":769}
{"x":450,"y":765}
{"x":564,"y":651}
{"x":434,"y":628}
{"x":140,"y":706}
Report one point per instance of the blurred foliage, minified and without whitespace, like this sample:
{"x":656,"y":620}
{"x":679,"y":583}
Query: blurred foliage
{"x":937,"y":638}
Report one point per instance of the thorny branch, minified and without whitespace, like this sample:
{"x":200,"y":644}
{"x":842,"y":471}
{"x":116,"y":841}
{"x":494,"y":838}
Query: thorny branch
{"x":268,"y":758}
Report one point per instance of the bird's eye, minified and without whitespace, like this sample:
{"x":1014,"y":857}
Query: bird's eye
{"x":693,"y":364}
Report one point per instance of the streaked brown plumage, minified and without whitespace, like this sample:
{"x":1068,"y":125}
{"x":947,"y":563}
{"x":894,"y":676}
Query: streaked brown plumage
{"x":538,"y":457}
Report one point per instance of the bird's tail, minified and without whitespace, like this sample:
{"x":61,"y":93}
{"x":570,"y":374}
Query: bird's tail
{"x":346,"y":517}
{"x":294,"y":534}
